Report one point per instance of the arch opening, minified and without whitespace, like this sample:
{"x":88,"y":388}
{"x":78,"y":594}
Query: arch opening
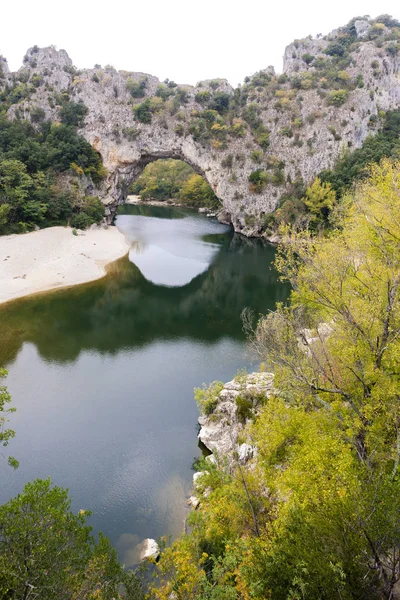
{"x":169,"y":179}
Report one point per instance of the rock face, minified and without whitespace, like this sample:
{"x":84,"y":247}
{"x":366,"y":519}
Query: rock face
{"x":306,"y":133}
{"x":149,"y":549}
{"x":4,"y":66}
{"x":220,"y":431}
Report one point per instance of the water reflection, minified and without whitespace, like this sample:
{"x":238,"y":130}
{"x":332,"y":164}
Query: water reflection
{"x":102,"y":375}
{"x":172,"y":252}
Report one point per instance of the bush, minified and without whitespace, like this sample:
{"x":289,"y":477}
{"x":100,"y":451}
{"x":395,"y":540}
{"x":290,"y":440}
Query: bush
{"x":258,"y":180}
{"x":243,"y":409}
{"x":142,"y":112}
{"x":308,"y":58}
{"x":94,"y":208}
{"x":136,"y":88}
{"x":338,"y":97}
{"x":207,"y":397}
{"x":73,"y":114}
{"x":81,"y":221}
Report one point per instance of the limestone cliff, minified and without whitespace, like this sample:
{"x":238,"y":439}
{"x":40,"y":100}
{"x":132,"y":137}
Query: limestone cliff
{"x":331,"y":95}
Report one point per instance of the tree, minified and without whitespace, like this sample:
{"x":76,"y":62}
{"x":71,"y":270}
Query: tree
{"x":6,"y":434}
{"x":347,"y":368}
{"x":320,"y":198}
{"x":196,"y":192}
{"x":325,"y":487}
{"x":48,"y":552}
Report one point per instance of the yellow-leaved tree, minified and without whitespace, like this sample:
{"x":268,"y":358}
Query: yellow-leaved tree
{"x":318,"y":514}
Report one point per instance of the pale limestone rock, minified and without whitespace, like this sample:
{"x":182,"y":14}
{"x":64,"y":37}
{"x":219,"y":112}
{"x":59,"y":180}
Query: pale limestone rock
{"x":220,"y":431}
{"x":196,"y":477}
{"x":362,"y":27}
{"x":193,"y":502}
{"x":110,"y":115}
{"x":245,"y":453}
{"x":149,"y":549}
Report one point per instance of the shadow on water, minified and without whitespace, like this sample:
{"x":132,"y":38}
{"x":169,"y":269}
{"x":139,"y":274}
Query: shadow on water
{"x":125,"y":310}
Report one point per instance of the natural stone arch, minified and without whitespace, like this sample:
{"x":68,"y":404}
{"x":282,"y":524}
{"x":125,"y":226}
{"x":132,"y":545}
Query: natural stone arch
{"x":226,"y":165}
{"x":126,"y":162}
{"x":126,"y":174}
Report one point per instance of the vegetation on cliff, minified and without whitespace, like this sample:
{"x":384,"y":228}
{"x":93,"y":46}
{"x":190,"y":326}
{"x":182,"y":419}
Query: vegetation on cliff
{"x":317,"y":514}
{"x":311,"y":207}
{"x":42,"y":168}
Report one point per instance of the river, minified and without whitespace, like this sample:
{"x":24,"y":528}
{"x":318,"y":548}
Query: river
{"x":102,"y":375}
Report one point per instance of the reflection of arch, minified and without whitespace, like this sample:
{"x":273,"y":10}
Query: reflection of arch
{"x":124,"y":310}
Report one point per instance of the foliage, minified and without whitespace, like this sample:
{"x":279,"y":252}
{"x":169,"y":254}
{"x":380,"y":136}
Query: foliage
{"x":143,"y":112}
{"x":353,"y":166}
{"x":207,"y":397}
{"x":196,"y":192}
{"x":319,"y":200}
{"x":136,"y":88}
{"x":46,"y":551}
{"x":173,"y":179}
{"x":337,"y":97}
{"x":6,"y":434}
{"x":318,"y":514}
{"x":350,"y":168}
{"x":258,"y":180}
{"x":32,"y":158}
{"x":73,"y":114}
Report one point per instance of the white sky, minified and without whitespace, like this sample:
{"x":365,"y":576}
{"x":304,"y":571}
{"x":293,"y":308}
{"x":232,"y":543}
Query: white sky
{"x":180,"y":39}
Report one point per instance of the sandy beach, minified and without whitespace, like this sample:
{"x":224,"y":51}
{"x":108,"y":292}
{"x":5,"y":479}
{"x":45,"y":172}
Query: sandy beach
{"x":54,"y":257}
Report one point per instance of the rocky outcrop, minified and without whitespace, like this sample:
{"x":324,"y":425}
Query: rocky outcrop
{"x":149,"y":550}
{"x":220,"y":431}
{"x":4,"y":70}
{"x":302,"y":132}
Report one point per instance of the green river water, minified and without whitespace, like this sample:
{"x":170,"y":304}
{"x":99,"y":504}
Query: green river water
{"x":102,"y":375}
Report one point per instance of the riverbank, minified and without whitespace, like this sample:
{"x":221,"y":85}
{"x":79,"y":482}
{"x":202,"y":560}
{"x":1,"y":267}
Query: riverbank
{"x":132,"y":199}
{"x":52,"y":258}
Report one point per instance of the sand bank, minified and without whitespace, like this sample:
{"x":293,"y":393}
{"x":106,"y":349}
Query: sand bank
{"x":54,"y":257}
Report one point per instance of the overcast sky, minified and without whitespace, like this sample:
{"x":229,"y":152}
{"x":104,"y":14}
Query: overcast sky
{"x":180,"y":39}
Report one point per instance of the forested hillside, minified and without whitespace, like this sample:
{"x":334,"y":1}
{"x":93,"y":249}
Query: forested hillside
{"x":47,"y":170}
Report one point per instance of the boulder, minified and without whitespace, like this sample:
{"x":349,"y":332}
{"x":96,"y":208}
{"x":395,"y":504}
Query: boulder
{"x":245,"y":453}
{"x":149,"y":549}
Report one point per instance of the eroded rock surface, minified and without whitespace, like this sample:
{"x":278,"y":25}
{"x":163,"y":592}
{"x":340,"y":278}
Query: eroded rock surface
{"x":303,"y":132}
{"x":221,"y":430}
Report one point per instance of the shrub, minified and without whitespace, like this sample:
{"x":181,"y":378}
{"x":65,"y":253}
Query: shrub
{"x":142,"y":111}
{"x":256,"y":156}
{"x":203,"y":97}
{"x":207,"y":397}
{"x":338,"y":97}
{"x":262,"y":140}
{"x":73,"y":113}
{"x":308,"y":58}
{"x":131,"y":133}
{"x":81,"y":221}
{"x":243,"y":409}
{"x":136,"y":88}
{"x":258,"y":180}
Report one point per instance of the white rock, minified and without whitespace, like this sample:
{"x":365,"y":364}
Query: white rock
{"x":194,"y":502}
{"x":245,"y":452}
{"x":149,"y":549}
{"x":362,"y":26}
{"x":196,"y":477}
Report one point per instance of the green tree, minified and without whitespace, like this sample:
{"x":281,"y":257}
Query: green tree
{"x":320,"y":198}
{"x":48,"y":552}
{"x":6,"y":434}
{"x":196,"y":192}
